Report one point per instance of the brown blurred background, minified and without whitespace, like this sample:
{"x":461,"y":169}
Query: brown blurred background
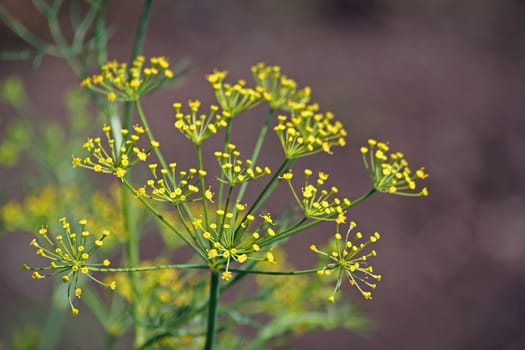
{"x":442,"y":80}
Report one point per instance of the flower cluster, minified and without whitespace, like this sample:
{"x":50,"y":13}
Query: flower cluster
{"x":226,"y":243}
{"x":279,"y":90}
{"x":348,"y":259}
{"x":70,"y":256}
{"x":168,"y":187}
{"x":198,"y":128}
{"x":318,"y":203}
{"x":121,"y":155}
{"x":308,"y":132}
{"x":234,"y":170}
{"x":235,"y":98}
{"x":120,"y":83}
{"x":390,"y":172}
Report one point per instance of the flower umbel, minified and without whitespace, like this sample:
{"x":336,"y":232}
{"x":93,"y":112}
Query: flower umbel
{"x":119,"y":158}
{"x":168,"y":187}
{"x":316,"y":202}
{"x":309,"y":132}
{"x":198,"y":128}
{"x":279,"y":90}
{"x":226,"y":247}
{"x":347,"y":258}
{"x":122,"y":83}
{"x":390,"y":173}
{"x":234,"y":170}
{"x":70,"y":255}
{"x":235,"y":98}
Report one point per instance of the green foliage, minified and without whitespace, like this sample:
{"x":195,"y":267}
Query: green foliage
{"x":23,"y":339}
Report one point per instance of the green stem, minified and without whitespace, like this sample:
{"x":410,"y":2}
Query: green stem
{"x":80,"y":28}
{"x":25,"y":34}
{"x":137,"y":49}
{"x":166,"y":222}
{"x":159,"y":155}
{"x":151,"y":268}
{"x":226,"y":205}
{"x":95,"y":305}
{"x":256,"y":151}
{"x":199,"y":267}
{"x":110,"y":342}
{"x":295,"y":229}
{"x":133,"y":258}
{"x":101,"y":37}
{"x":144,"y":122}
{"x":360,"y":199}
{"x":157,"y":152}
{"x":54,"y":322}
{"x":191,"y":232}
{"x":221,"y":177}
{"x":262,"y":198}
{"x":141,"y":30}
{"x":212,"y":310}
{"x":132,"y":246}
{"x":203,"y":184}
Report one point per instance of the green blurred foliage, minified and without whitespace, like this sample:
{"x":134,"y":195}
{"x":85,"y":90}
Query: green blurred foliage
{"x":23,"y":339}
{"x":12,"y":92}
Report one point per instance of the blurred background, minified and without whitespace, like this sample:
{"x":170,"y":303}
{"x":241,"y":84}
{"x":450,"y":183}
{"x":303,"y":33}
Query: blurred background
{"x":441,"y":80}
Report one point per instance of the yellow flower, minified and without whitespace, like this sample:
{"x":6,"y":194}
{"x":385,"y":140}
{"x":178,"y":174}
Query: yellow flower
{"x":68,"y":257}
{"x":316,"y":202}
{"x":233,"y":99}
{"x":349,"y":258}
{"x":122,"y":83}
{"x":308,"y":132}
{"x":277,"y":89}
{"x":199,"y":127}
{"x":236,"y":171}
{"x":389,"y":172}
{"x":114,"y":161}
{"x":173,"y":188}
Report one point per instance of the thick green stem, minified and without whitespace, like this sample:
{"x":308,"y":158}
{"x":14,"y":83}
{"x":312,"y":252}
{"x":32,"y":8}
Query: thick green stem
{"x":133,"y":259}
{"x":132,"y":246}
{"x":212,"y":310}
